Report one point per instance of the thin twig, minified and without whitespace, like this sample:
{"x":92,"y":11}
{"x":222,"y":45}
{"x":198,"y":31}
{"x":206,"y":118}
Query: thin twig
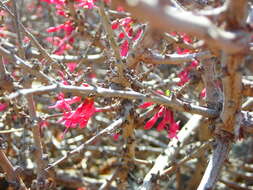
{"x":190,"y":156}
{"x":108,"y":130}
{"x":11,"y":174}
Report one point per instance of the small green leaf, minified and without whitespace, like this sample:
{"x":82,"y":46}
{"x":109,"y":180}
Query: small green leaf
{"x":167,"y":92}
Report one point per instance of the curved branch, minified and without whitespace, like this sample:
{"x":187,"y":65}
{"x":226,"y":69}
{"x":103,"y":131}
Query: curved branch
{"x":171,"y":102}
{"x":167,"y":18}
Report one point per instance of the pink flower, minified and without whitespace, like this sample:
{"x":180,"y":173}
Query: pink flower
{"x":81,"y":115}
{"x":193,"y":64}
{"x":67,"y":27}
{"x":174,"y":127}
{"x":166,"y":119}
{"x":126,"y":24}
{"x":26,"y":40}
{"x":3,"y":106}
{"x":138,"y":34}
{"x":56,"y":2}
{"x":124,"y":48}
{"x":115,"y":24}
{"x":65,"y":82}
{"x":116,"y":136}
{"x":121,"y":35}
{"x":146,"y":105}
{"x":184,"y":75}
{"x":64,"y":103}
{"x":184,"y":78}
{"x":72,"y":66}
{"x":61,"y":44}
{"x":186,"y":38}
{"x":86,"y":4}
{"x":120,"y":9}
{"x":181,"y":51}
{"x":203,"y":93}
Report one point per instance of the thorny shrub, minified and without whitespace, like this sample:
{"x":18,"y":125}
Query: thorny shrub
{"x":98,"y":82}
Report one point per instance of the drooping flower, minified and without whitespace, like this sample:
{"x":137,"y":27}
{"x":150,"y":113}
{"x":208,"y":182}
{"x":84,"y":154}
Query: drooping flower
{"x":64,"y":103}
{"x":116,"y":136}
{"x":72,"y":66}
{"x":80,"y":116}
{"x":124,"y":48}
{"x":120,"y":9}
{"x":174,"y":127}
{"x":203,"y":93}
{"x":165,"y":118}
{"x":146,"y":105}
{"x":184,"y":74}
{"x":89,"y":4}
{"x":127,"y":35}
{"x":184,"y":78}
{"x":60,"y":43}
{"x":186,"y":38}
{"x":3,"y":106}
{"x":67,"y":27}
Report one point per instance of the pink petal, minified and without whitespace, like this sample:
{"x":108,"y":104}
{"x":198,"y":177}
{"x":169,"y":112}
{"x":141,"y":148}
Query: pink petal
{"x":115,"y":24}
{"x":186,"y":38}
{"x":121,"y":35}
{"x":81,"y":115}
{"x":72,"y":66}
{"x":174,"y":127}
{"x":120,"y":9}
{"x":124,"y":48}
{"x":203,"y":93}
{"x":126,"y":21}
{"x":55,"y":28}
{"x":116,"y":136}
{"x":165,"y":120}
{"x":138,"y":34}
{"x":150,"y":123}
{"x":145,"y":105}
{"x":3,"y":107}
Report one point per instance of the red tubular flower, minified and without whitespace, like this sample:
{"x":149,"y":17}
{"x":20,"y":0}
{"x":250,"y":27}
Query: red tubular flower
{"x":127,"y":25}
{"x":166,"y":117}
{"x":146,"y":105}
{"x":72,"y":66}
{"x":124,"y":48}
{"x":184,"y":75}
{"x":86,"y":4}
{"x":60,"y":43}
{"x":64,"y":103}
{"x":3,"y":107}
{"x":138,"y":34}
{"x":81,"y":115}
{"x":174,"y":127}
{"x":67,"y":27}
{"x":115,"y":24}
{"x":203,"y":93}
{"x":184,"y":78}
